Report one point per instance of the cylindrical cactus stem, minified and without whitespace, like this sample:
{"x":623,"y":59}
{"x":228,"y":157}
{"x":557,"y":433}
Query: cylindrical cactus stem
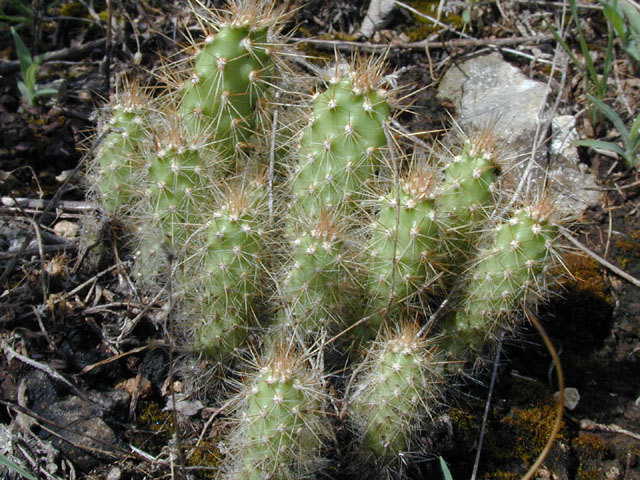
{"x":465,"y":197}
{"x":280,"y":426}
{"x":226,"y":91}
{"x":226,"y":271}
{"x":503,"y":276}
{"x":179,"y":179}
{"x":339,"y":149}
{"x":393,"y":395}
{"x":403,"y":247}
{"x":113,"y":172}
{"x":318,"y":277}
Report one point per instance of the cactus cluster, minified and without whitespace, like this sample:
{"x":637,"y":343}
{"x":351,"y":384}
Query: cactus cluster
{"x":358,"y":241}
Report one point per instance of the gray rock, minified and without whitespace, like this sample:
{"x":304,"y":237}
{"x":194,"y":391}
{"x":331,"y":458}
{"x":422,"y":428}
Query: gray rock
{"x":489,"y":93}
{"x":81,"y":435}
{"x":376,"y":16}
{"x":41,"y":391}
{"x":574,"y":188}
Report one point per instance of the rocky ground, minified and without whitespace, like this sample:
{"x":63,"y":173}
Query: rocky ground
{"x":85,"y":372}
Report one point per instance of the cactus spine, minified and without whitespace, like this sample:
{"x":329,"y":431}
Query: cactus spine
{"x":402,"y":246}
{"x":317,"y":279}
{"x":119,"y":158}
{"x":339,"y":148}
{"x":466,"y":196}
{"x":337,"y":157}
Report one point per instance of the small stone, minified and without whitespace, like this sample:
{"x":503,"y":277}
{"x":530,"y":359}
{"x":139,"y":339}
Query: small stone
{"x":65,"y":229}
{"x":613,"y":473}
{"x":114,"y":474}
{"x":131,"y":385}
{"x":571,"y":397}
{"x":185,"y":407}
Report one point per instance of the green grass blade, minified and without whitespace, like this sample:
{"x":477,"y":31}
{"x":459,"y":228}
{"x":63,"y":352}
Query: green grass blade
{"x":633,"y":16}
{"x":446,"y":473}
{"x":584,"y":48}
{"x":26,"y":93}
{"x":45,"y":91}
{"x":15,"y":468}
{"x":602,"y":145}
{"x":23,"y":52}
{"x":634,"y":138}
{"x":611,"y":115}
{"x":565,"y":46}
{"x":30,"y":79}
{"x":614,"y":18}
{"x":22,"y":7}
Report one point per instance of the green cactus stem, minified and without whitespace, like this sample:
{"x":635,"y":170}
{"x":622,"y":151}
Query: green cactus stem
{"x":403,"y":247}
{"x":504,"y":276}
{"x":120,"y":154}
{"x":178,"y":182}
{"x":465,"y":198}
{"x":280,"y":425}
{"x":339,"y":149}
{"x":317,"y":279}
{"x":228,"y":276}
{"x":227,"y":90}
{"x":393,"y":394}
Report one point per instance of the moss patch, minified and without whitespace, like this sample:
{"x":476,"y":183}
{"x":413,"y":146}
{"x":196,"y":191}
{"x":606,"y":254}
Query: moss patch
{"x":424,"y":27}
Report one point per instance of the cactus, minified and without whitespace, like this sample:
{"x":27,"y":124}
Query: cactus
{"x":403,"y":246}
{"x":470,"y":179}
{"x":227,"y":273}
{"x":503,"y":276}
{"x":177,"y":179}
{"x":279,"y":424}
{"x":225,"y":93}
{"x":339,"y":154}
{"x":393,"y":394}
{"x":176,"y":174}
{"x":316,"y":280}
{"x":119,"y":157}
{"x":339,"y":149}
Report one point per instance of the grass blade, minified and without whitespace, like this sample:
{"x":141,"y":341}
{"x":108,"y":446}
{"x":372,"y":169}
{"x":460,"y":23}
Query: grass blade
{"x":15,"y":468}
{"x":611,"y":115}
{"x":23,"y":52}
{"x":602,"y":145}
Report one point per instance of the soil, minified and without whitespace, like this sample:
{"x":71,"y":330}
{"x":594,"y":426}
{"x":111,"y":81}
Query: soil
{"x":64,"y":305}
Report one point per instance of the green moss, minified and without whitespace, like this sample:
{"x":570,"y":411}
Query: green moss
{"x":462,"y":420}
{"x":531,"y":428}
{"x":155,"y":419}
{"x":207,"y":457}
{"x":525,"y":391}
{"x":345,"y":37}
{"x":590,"y":449}
{"x":628,"y":249}
{"x":521,"y":436}
{"x":74,"y":9}
{"x":153,"y":429}
{"x":592,"y":474}
{"x":588,"y":277}
{"x":501,"y":475}
{"x":424,"y":27}
{"x":589,"y":446}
